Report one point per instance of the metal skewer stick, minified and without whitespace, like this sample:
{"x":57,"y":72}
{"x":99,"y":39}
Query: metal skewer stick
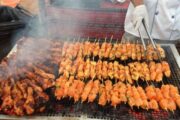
{"x":78,"y":40}
{"x":123,"y":40}
{"x":88,"y":39}
{"x":117,"y":41}
{"x":96,"y":63}
{"x":111,"y":43}
{"x":152,"y":41}
{"x":105,"y":39}
{"x":93,"y":61}
{"x":111,"y":39}
{"x":99,"y":47}
{"x":94,"y":44}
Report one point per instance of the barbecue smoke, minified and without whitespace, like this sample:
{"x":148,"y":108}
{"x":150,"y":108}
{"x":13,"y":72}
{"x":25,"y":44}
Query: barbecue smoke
{"x":57,"y":22}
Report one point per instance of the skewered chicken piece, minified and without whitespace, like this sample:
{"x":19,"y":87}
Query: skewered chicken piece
{"x":153,"y":104}
{"x":145,"y":72}
{"x":94,"y":91}
{"x":22,"y":85}
{"x":118,"y":51}
{"x":80,"y":72}
{"x":33,"y":84}
{"x":115,"y":100}
{"x":133,"y":51}
{"x":116,"y":70}
{"x":108,"y":87}
{"x":166,"y":101}
{"x":43,"y":82}
{"x":65,"y":67}
{"x":137,"y":97}
{"x":43,"y":73}
{"x":161,"y":51}
{"x":71,"y":89}
{"x":129,"y":94}
{"x":41,"y":100}
{"x":18,"y":101}
{"x":118,"y":94}
{"x":86,"y":91}
{"x":102,"y":50}
{"x":166,"y":69}
{"x":104,"y":72}
{"x":86,"y":47}
{"x":60,"y":83}
{"x":75,"y":66}
{"x":150,"y":92}
{"x":99,"y":69}
{"x":165,"y":89}
{"x":124,"y":55}
{"x":171,"y":105}
{"x":159,"y":95}
{"x":127,"y":74}
{"x":138,"y":51}
{"x":135,"y":74}
{"x":110,"y":70}
{"x":152,"y":67}
{"x":75,"y":49}
{"x":145,"y":104}
{"x":149,"y":53}
{"x":7,"y":102}
{"x":129,"y":50}
{"x":78,"y":91}
{"x":122,"y":91}
{"x":173,"y":91}
{"x":96,"y":49}
{"x":102,"y":96}
{"x":122,"y":74}
{"x":67,"y":86}
{"x":163,"y":104}
{"x":93,"y":69}
{"x":29,"y":103}
{"x":112,"y":52}
{"x":107,"y":50}
{"x":87,"y":69}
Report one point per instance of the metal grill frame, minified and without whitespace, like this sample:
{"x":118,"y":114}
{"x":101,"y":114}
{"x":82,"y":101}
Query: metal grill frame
{"x":66,"y":109}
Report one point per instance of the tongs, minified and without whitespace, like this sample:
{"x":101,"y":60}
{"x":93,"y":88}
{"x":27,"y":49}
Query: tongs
{"x":151,"y":40}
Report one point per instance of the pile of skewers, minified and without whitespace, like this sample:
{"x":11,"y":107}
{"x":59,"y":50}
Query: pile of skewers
{"x":134,"y":71}
{"x":167,"y":97}
{"x":26,"y":75}
{"x":110,"y":51}
{"x":90,"y":71}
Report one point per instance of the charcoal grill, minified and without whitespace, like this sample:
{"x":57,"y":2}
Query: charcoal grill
{"x":66,"y":109}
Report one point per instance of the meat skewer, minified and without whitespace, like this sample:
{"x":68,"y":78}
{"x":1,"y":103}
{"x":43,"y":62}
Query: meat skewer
{"x":86,"y":91}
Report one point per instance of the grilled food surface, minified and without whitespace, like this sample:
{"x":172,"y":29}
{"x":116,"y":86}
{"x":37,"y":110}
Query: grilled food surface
{"x":106,"y":73}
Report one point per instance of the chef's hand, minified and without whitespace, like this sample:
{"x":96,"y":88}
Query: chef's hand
{"x":140,"y":13}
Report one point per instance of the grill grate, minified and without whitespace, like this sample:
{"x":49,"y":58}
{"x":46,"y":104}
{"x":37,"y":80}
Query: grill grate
{"x":67,"y":108}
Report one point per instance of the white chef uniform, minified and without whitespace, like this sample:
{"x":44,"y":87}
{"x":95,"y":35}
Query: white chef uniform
{"x":164,"y":19}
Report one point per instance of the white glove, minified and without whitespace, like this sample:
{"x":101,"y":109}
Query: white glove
{"x":140,"y":13}
{"x":121,"y":1}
